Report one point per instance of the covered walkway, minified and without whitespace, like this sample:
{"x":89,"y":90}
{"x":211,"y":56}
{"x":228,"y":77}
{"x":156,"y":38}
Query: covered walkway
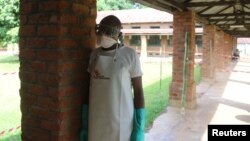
{"x":225,"y":101}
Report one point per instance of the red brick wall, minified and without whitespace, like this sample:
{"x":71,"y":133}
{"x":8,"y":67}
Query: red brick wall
{"x":208,"y":45}
{"x":183,"y":22}
{"x":228,"y":49}
{"x":219,"y":47}
{"x":55,"y":42}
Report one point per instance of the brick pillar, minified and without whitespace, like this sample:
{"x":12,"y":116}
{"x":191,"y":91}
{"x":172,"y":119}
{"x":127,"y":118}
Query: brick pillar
{"x":219,"y":45}
{"x":208,"y":41}
{"x":234,"y":44}
{"x":55,"y":42}
{"x":227,"y":50}
{"x":183,"y":22}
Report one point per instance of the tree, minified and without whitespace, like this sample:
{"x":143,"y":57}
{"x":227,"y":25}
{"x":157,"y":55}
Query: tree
{"x":104,"y":5}
{"x":9,"y":21}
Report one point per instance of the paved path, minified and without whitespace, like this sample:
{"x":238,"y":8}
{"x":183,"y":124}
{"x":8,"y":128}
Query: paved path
{"x":225,"y":101}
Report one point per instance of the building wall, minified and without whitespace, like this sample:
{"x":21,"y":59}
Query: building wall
{"x":147,"y":25}
{"x":155,"y":50}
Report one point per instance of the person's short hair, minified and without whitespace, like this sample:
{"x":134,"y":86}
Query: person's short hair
{"x":109,"y":26}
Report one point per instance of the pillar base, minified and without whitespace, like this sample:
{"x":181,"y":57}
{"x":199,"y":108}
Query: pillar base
{"x":209,"y":80}
{"x":177,"y":103}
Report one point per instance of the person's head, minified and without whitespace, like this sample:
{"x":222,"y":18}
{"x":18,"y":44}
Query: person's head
{"x":109,"y":26}
{"x":108,"y":31}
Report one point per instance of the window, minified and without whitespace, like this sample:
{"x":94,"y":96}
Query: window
{"x":136,"y":27}
{"x":135,"y":40}
{"x":155,"y":27}
{"x":154,"y":40}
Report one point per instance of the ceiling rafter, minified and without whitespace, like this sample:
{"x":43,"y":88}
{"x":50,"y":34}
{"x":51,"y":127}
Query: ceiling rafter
{"x":225,"y":14}
{"x":227,"y":19}
{"x":239,"y":33}
{"x":205,"y":9}
{"x":226,"y":24}
{"x":246,"y":7}
{"x":218,"y":3}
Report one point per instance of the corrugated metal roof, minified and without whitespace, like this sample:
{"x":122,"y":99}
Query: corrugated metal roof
{"x":147,"y":15}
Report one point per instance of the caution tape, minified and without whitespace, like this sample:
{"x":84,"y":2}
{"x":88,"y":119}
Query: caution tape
{"x":9,"y":130}
{"x":7,"y":73}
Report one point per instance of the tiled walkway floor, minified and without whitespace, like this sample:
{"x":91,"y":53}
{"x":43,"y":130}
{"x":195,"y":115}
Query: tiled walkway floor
{"x":225,"y":101}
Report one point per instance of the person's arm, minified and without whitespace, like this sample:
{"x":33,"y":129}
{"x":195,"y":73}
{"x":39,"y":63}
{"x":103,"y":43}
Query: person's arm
{"x":85,"y":113}
{"x":138,"y":92}
{"x":139,"y":110}
{"x":85,"y":109}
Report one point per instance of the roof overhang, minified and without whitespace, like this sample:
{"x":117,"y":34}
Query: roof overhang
{"x":231,"y":16}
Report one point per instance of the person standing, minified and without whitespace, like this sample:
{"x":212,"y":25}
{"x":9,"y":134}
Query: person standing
{"x":116,"y":103}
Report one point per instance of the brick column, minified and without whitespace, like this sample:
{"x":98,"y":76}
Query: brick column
{"x":227,"y":50}
{"x":208,"y":41}
{"x":219,"y":45}
{"x":55,"y":42}
{"x":234,"y":44}
{"x":183,"y":22}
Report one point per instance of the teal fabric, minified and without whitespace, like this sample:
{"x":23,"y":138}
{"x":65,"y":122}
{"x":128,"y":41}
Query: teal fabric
{"x":138,"y":125}
{"x":84,"y":127}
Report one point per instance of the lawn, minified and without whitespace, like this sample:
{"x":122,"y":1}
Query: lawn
{"x":156,"y":79}
{"x":9,"y":63}
{"x":10,"y":115}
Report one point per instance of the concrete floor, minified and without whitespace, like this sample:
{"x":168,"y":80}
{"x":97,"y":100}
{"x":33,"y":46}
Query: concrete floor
{"x":225,"y":101}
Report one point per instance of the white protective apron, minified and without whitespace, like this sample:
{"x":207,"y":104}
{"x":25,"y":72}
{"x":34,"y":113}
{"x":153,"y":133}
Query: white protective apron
{"x":111,"y":102}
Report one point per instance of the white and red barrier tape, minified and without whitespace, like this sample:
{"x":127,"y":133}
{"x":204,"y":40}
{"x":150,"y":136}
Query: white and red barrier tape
{"x":8,"y":73}
{"x":9,"y":130}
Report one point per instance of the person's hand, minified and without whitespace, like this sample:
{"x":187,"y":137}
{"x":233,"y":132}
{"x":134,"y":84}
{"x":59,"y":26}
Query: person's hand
{"x":84,"y":128}
{"x":95,"y":73}
{"x":138,"y":125}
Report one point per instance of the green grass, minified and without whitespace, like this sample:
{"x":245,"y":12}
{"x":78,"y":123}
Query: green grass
{"x":157,"y":92}
{"x":10,"y":114}
{"x":156,"y":100}
{"x":12,"y":136}
{"x":9,"y":63}
{"x":155,"y":82}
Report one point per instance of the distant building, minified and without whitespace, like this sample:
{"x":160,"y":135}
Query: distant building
{"x":148,"y":30}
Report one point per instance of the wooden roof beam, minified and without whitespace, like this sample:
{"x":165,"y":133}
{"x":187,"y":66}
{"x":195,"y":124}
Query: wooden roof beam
{"x":225,"y":14}
{"x":228,"y":19}
{"x":218,"y":3}
{"x":239,"y":33}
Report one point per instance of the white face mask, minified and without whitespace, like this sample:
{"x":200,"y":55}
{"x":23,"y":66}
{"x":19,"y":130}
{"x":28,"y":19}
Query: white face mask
{"x":106,"y":41}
